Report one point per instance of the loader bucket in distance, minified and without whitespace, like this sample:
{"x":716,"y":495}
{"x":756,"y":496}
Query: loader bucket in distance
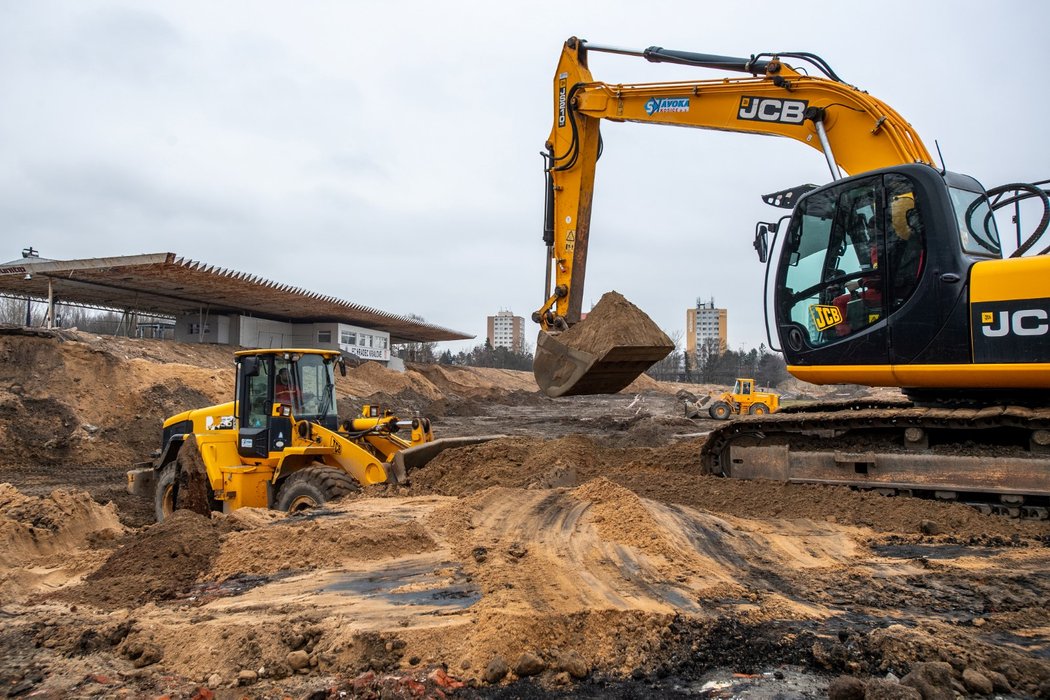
{"x":603,"y":353}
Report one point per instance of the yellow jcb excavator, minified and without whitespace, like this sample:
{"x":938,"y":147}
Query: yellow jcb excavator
{"x":280,"y":443}
{"x":891,"y":276}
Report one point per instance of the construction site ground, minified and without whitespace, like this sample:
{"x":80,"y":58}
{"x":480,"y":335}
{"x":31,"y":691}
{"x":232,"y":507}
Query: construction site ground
{"x":583,"y":554}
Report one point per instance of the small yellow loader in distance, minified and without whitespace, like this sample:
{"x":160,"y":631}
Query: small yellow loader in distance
{"x":280,"y":443}
{"x":744,"y":399}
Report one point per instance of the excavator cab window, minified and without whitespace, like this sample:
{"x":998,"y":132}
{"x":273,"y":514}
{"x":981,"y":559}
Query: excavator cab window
{"x":977,"y":230}
{"x":905,"y":238}
{"x":833,"y":267}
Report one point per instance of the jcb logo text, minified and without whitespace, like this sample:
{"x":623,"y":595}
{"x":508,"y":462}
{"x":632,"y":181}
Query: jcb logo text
{"x":1023,"y":322}
{"x":769,"y":109}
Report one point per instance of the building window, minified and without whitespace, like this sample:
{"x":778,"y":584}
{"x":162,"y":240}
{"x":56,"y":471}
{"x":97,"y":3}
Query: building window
{"x":324,"y":336}
{"x":348,"y":338}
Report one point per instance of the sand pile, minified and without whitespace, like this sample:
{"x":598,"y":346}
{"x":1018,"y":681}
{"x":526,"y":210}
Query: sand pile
{"x":615,"y":322}
{"x":47,"y":541}
{"x":156,"y":563}
{"x":619,"y":516}
{"x":279,"y":546}
{"x":671,"y":474}
{"x":372,"y":378}
{"x":33,"y":527}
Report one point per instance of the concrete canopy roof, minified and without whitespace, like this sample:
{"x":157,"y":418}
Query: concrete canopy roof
{"x":168,"y":285}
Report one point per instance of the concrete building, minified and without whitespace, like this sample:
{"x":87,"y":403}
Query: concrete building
{"x":207,"y":304}
{"x":705,"y":326}
{"x":505,"y":330}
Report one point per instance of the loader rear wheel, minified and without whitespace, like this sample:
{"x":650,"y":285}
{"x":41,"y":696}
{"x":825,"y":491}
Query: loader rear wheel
{"x":163,"y":504}
{"x":758,"y":409}
{"x":313,"y":487}
{"x":720,"y":410}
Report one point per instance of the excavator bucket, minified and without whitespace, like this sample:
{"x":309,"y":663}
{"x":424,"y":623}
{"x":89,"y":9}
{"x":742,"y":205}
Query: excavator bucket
{"x":602,"y":354}
{"x":415,"y":457}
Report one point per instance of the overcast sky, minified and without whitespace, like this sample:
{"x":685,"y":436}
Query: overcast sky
{"x":388,"y":152}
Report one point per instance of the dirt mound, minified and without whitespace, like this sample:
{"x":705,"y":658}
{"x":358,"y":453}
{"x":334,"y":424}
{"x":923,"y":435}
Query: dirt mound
{"x":475,"y":381}
{"x":32,"y":527}
{"x":671,"y":474}
{"x":619,"y":516}
{"x":278,"y":547}
{"x":87,"y":401}
{"x":614,"y":322}
{"x":156,"y":563}
{"x":373,"y":378}
{"x":46,"y":541}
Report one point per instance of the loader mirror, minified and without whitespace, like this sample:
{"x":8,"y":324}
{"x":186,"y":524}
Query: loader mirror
{"x":250,"y":366}
{"x":761,"y":243}
{"x":342,"y":367}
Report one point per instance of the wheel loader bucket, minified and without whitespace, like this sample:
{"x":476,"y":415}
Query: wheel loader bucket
{"x":415,"y":457}
{"x":562,"y":370}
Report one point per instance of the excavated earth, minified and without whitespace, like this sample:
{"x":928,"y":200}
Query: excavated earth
{"x":583,"y":554}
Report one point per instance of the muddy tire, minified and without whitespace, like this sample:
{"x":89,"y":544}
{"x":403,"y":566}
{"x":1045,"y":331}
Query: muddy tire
{"x":758,"y":409}
{"x":162,"y":494}
{"x":313,"y":487}
{"x":720,"y":410}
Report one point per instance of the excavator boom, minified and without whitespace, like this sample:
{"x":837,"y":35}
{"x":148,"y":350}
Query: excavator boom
{"x":854,"y":131}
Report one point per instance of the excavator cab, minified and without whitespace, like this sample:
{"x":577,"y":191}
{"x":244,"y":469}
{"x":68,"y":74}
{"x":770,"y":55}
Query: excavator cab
{"x":875,"y":274}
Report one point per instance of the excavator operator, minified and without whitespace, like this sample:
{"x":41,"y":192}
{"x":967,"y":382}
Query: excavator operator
{"x":905,"y":246}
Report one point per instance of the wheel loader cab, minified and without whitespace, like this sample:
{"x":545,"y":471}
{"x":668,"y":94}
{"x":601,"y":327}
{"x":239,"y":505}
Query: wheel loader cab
{"x":275,"y":387}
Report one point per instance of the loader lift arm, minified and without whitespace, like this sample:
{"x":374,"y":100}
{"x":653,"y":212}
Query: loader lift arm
{"x":855,"y":131}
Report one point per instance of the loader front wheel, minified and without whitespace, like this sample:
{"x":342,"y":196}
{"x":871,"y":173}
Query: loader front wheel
{"x":720,"y":410}
{"x":163,"y":502}
{"x":314,"y":487}
{"x":758,"y":409}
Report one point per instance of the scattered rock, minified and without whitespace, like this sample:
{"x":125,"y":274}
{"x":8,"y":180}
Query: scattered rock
{"x":929,"y":527}
{"x":573,"y":664}
{"x":999,"y":682}
{"x":143,"y":654}
{"x":882,"y":689}
{"x":846,"y":688}
{"x":517,"y":550}
{"x":497,"y":670}
{"x":214,"y":680}
{"x":977,"y":682}
{"x":528,"y":664}
{"x":933,"y":679}
{"x":247,"y":677}
{"x":298,"y":659}
{"x":562,"y":678}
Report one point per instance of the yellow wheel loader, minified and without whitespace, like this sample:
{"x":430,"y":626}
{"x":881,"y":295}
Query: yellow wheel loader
{"x":280,"y":443}
{"x":744,"y":399}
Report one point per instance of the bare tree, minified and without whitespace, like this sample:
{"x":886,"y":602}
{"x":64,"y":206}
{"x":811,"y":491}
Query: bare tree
{"x":670,"y":368}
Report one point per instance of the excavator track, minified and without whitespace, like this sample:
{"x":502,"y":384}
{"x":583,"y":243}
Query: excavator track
{"x":996,"y":458}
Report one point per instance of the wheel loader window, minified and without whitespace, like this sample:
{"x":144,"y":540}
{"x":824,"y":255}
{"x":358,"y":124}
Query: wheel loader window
{"x":258,"y":396}
{"x":317,"y":382}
